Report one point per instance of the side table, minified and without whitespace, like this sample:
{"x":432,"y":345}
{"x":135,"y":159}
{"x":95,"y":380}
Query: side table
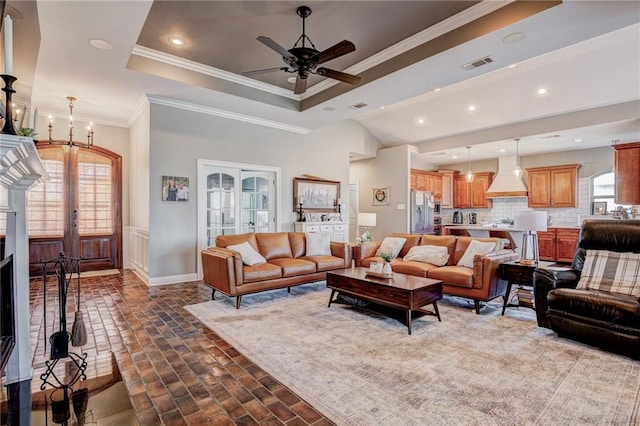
{"x":519,"y":274}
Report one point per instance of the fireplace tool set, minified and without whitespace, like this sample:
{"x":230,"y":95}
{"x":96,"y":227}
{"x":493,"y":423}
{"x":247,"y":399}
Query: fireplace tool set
{"x":65,"y":268}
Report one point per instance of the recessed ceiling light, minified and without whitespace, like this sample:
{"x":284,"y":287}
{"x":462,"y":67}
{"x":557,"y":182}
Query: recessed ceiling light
{"x":420,"y":120}
{"x":503,"y":150}
{"x":437,"y":89}
{"x":291,"y":79}
{"x":382,"y":107}
{"x":100,"y":44}
{"x":328,"y":108}
{"x":577,"y":140}
{"x":542,"y":91}
{"x":514,"y":38}
{"x":471,"y":108}
{"x":513,"y":65}
{"x":177,"y":41}
{"x":454,"y":156}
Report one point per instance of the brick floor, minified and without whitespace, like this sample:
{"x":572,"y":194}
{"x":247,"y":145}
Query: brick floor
{"x":176,"y":371}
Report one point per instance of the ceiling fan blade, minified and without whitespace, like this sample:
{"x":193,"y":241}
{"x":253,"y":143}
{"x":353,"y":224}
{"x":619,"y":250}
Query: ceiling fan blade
{"x":301,"y":85}
{"x":339,"y":75}
{"x":264,"y":71}
{"x":335,"y":51}
{"x":275,"y":46}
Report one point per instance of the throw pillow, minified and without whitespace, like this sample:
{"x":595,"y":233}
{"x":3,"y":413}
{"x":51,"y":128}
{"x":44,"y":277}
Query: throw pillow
{"x":249,"y":255}
{"x":436,"y":255}
{"x":318,"y":244}
{"x":475,"y":247}
{"x":391,"y":245}
{"x":611,"y":271}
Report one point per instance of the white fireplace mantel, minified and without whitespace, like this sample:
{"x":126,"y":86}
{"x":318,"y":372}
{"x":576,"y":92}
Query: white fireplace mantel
{"x":20,"y":169}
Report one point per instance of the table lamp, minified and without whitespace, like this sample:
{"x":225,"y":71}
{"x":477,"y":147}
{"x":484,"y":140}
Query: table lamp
{"x":367,"y":220}
{"x":530,"y":221}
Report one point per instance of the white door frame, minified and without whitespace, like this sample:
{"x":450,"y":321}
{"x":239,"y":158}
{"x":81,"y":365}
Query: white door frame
{"x":203,"y":165}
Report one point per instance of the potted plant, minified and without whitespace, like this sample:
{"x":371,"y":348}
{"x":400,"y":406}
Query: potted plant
{"x":387,"y":257}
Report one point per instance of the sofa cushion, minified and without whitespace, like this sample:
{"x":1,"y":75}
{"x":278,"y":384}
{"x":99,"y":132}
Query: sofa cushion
{"x":612,"y":272}
{"x":227,"y":240}
{"x":365,"y":263}
{"x":611,"y":307}
{"x":448,"y":241}
{"x":250,"y":256}
{"x":475,"y":247}
{"x":411,"y":241}
{"x":391,"y":245}
{"x":326,"y":263}
{"x":273,"y":245}
{"x":298,"y":243}
{"x":463,"y":242}
{"x":318,"y":244}
{"x":436,"y":255}
{"x":419,"y":269}
{"x":455,"y":275}
{"x":292,"y":267}
{"x":261,"y":272}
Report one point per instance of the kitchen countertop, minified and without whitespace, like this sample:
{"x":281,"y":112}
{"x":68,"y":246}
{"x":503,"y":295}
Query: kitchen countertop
{"x":510,"y":228}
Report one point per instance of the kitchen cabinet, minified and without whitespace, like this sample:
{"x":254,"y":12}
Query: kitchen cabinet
{"x":555,"y":186}
{"x":558,"y":244}
{"x":627,"y":172}
{"x":423,"y":180}
{"x":337,"y":230}
{"x":472,"y":194}
{"x":446,"y":178}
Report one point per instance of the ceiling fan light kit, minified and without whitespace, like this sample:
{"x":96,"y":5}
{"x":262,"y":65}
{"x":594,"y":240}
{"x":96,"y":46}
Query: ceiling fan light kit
{"x":303,"y":59}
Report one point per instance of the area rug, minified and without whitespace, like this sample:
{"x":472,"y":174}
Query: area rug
{"x":487,"y":369}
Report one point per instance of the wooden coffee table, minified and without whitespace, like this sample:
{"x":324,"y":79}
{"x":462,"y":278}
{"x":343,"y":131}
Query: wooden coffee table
{"x":402,"y":297}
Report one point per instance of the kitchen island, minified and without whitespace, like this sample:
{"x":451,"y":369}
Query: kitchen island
{"x":558,"y":243}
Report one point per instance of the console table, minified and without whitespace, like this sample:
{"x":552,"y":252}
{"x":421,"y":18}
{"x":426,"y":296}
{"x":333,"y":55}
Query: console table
{"x":336,"y":230}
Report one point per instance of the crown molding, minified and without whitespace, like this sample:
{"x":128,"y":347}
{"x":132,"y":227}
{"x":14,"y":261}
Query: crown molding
{"x":143,"y":102}
{"x":227,"y":114}
{"x":187,"y":64}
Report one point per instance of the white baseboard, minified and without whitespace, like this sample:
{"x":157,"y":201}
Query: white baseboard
{"x":172,"y":279}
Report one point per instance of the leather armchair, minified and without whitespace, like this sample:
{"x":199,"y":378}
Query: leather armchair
{"x":608,"y":320}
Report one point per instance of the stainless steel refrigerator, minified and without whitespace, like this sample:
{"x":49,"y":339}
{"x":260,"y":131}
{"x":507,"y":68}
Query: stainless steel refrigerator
{"x":421,"y":219}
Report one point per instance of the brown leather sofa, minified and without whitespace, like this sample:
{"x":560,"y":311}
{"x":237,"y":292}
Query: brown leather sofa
{"x":287,"y":265}
{"x":480,"y":283}
{"x":607,"y":320}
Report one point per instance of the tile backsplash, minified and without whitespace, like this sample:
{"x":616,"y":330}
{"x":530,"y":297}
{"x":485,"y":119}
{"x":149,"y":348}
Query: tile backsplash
{"x":505,"y":208}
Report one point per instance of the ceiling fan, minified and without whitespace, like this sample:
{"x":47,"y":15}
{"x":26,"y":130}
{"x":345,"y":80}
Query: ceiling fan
{"x":304,"y":60}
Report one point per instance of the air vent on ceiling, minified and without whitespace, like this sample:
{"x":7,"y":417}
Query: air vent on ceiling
{"x":438,"y":153}
{"x":549,"y":137}
{"x":478,"y":63}
{"x":358,"y":105}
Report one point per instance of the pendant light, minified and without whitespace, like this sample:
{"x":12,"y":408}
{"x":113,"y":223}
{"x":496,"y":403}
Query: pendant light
{"x":469,"y":175}
{"x":517,"y":170}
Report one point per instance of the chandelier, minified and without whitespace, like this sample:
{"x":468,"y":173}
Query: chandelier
{"x":71,"y":142}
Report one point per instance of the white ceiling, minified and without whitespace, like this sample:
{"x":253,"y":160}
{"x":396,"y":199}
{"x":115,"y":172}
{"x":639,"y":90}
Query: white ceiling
{"x":586,"y":53}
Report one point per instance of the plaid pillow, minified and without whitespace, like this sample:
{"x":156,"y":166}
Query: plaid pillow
{"x":611,"y":271}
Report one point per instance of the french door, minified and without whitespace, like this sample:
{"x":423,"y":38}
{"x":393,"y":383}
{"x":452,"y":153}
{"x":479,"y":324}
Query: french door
{"x":78,"y":210}
{"x":235,"y":199}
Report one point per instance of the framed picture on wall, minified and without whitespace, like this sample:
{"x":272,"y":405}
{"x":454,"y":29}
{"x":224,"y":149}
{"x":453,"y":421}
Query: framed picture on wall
{"x":599,"y":207}
{"x":380,"y":196}
{"x":313,"y":194}
{"x":175,"y":188}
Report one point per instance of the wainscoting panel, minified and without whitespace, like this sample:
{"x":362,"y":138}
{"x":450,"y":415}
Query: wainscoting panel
{"x":139,"y":252}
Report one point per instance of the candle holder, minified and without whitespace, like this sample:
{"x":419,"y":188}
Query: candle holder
{"x":8,"y":128}
{"x":301,"y":217}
